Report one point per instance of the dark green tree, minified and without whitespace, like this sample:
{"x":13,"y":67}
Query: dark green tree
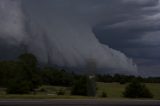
{"x":18,"y":87}
{"x":137,"y":90}
{"x":55,"y":76}
{"x":21,"y":76}
{"x":28,"y":62}
{"x":80,"y":86}
{"x":103,"y":94}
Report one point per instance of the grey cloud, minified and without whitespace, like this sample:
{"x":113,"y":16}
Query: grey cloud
{"x":11,"y":22}
{"x":124,"y":25}
{"x":137,"y":35}
{"x":142,"y":2}
{"x":68,"y":39}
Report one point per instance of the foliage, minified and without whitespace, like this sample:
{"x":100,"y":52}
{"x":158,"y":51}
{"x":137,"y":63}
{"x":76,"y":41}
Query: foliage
{"x":23,"y":76}
{"x":54,"y":76}
{"x":19,"y":87}
{"x":122,"y":79}
{"x":20,"y":76}
{"x":80,"y":86}
{"x":137,"y":90}
{"x":60,"y":92}
{"x":29,"y":60}
{"x":103,"y":94}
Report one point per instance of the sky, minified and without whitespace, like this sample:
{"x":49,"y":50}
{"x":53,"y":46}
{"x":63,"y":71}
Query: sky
{"x":129,"y":29}
{"x":137,"y":31}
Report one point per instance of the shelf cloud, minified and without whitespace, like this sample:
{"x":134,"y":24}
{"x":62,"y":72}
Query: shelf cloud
{"x":61,"y":33}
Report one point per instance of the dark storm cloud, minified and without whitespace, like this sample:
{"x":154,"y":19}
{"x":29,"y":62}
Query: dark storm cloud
{"x":131,"y":26}
{"x":136,"y":34}
{"x":6,"y":48}
{"x":68,"y":40}
{"x":128,"y":24}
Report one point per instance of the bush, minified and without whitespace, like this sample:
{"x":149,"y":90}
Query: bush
{"x":18,"y":88}
{"x":122,"y":81}
{"x":60,"y":92}
{"x":80,"y":87}
{"x":137,"y":90}
{"x":41,"y":89}
{"x":103,"y":94}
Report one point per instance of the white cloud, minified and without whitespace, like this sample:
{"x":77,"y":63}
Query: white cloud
{"x":11,"y":21}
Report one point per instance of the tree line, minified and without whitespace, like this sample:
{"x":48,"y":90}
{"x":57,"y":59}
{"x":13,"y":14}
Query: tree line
{"x":22,"y":75}
{"x":122,"y":79}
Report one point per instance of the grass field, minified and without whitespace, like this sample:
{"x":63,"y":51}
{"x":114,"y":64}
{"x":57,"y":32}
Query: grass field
{"x":155,"y":89}
{"x":113,"y":90}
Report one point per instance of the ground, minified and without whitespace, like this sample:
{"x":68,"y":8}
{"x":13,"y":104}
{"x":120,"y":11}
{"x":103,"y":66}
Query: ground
{"x":113,"y":90}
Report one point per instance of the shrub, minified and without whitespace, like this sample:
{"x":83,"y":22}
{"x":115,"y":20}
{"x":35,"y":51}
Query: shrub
{"x":18,"y":88}
{"x":122,"y":81}
{"x":137,"y":90}
{"x":41,"y":89}
{"x":60,"y":92}
{"x":80,"y":87}
{"x":103,"y":94}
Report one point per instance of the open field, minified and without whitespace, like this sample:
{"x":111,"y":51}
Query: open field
{"x":113,"y":90}
{"x":48,"y":92}
{"x":155,"y":89}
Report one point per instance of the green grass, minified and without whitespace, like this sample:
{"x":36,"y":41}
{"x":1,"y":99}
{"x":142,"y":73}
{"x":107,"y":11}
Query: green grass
{"x":113,"y":90}
{"x":44,"y":92}
{"x":2,"y":91}
{"x":54,"y":89}
{"x":155,"y":89}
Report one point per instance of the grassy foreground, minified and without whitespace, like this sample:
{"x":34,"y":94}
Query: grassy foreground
{"x":113,"y":90}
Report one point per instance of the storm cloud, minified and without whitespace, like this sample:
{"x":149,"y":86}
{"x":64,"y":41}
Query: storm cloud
{"x":137,"y":33}
{"x":69,"y":32}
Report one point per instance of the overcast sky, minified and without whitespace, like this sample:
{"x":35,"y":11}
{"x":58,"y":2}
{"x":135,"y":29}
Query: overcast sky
{"x":134,"y":30}
{"x":130,"y":26}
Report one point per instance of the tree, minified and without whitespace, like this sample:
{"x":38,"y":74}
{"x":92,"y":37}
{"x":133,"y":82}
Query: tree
{"x":137,"y":90}
{"x":103,"y":94}
{"x":122,"y":81}
{"x":18,"y":87}
{"x":28,"y":62}
{"x":80,"y":86}
{"x":28,"y":59}
{"x":21,"y":76}
{"x":8,"y":71}
{"x":54,"y":76}
{"x":60,"y":92}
